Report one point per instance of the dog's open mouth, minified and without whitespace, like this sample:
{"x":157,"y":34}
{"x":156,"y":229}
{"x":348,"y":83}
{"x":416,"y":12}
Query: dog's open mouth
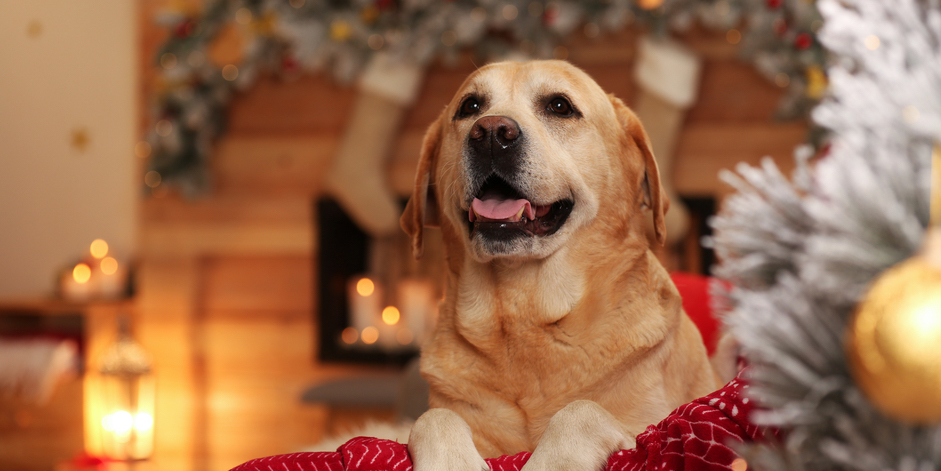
{"x":500,"y":211}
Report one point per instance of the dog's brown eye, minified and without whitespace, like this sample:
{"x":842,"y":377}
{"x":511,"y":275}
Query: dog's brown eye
{"x":469,"y":107}
{"x":560,"y":106}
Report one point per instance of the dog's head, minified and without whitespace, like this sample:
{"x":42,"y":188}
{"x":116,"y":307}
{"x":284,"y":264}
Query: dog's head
{"x":527,"y":154}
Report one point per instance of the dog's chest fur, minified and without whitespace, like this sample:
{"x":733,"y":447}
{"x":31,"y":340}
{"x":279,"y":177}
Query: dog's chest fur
{"x":533,"y":347}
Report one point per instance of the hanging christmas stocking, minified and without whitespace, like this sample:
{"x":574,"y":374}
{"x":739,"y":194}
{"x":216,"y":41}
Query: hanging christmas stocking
{"x":358,"y":176}
{"x":668,"y":76}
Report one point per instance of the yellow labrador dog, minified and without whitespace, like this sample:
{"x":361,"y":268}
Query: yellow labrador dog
{"x":559,"y":333}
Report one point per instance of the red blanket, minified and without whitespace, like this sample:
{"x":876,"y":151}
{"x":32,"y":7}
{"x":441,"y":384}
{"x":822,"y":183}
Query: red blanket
{"x":695,"y":437}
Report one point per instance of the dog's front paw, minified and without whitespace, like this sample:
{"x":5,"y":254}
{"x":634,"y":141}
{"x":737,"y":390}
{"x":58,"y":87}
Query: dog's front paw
{"x":580,"y":437}
{"x":441,"y":440}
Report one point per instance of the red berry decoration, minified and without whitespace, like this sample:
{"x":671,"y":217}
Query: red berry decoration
{"x":803,"y":41}
{"x":550,"y":15}
{"x":183,"y":29}
{"x":289,"y":64}
{"x":772,"y":4}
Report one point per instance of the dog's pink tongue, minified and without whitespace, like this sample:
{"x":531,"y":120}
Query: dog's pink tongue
{"x":497,"y":209}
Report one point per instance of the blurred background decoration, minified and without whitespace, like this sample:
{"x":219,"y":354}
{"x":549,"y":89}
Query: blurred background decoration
{"x":223,"y":46}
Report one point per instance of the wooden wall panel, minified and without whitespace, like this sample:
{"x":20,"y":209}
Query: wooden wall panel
{"x":274,"y":165}
{"x":260,"y":344}
{"x":258,"y":284}
{"x":305,"y":105}
{"x":705,"y":149}
{"x":35,"y":437}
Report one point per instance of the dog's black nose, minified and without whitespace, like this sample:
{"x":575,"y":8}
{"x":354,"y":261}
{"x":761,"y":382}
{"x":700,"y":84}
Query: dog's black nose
{"x":494,"y":141}
{"x":504,"y":131}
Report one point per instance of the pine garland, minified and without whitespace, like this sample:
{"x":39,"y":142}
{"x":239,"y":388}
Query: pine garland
{"x":801,"y":254}
{"x":289,"y":37}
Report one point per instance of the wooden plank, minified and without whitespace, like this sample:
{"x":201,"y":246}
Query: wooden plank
{"x":273,"y":164}
{"x":257,"y":368}
{"x":704,"y":149}
{"x":242,"y":207}
{"x":165,"y":306}
{"x":731,"y":90}
{"x":227,"y":224}
{"x":308,"y":104}
{"x":259,"y":283}
{"x":36,"y":437}
{"x":181,"y":240}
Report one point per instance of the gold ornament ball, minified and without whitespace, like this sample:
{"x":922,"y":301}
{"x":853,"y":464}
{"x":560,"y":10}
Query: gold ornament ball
{"x":894,"y":342}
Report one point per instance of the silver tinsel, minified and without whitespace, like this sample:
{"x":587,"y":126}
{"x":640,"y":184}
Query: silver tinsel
{"x":800,"y":254}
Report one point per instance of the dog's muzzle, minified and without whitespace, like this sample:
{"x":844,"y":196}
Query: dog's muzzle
{"x":499,"y":210}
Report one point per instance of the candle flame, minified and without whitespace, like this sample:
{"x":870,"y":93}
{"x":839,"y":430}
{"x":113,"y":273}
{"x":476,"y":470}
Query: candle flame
{"x":365,"y":287}
{"x":370,"y":335}
{"x":109,"y":265}
{"x":349,"y":335}
{"x":81,"y":273}
{"x":390,"y":315}
{"x":99,"y":248}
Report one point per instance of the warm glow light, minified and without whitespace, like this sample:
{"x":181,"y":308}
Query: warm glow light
{"x":404,"y":336}
{"x":390,"y":315}
{"x":349,"y":335}
{"x":143,"y":421}
{"x":733,"y":36}
{"x":109,"y":265}
{"x":649,"y":4}
{"x":365,"y":287}
{"x":142,"y":149}
{"x":164,"y":127}
{"x":230,"y":72}
{"x":872,"y":42}
{"x":119,"y":422}
{"x":99,"y":248}
{"x":152,"y":179}
{"x":510,"y":12}
{"x":243,"y":16}
{"x":81,"y":273}
{"x":592,"y":30}
{"x":370,"y":335}
{"x":168,"y":60}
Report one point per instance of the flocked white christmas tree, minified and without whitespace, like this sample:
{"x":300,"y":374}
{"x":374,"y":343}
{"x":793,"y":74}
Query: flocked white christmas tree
{"x":801,"y":254}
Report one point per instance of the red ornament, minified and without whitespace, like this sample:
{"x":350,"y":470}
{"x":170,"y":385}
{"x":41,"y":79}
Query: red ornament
{"x":184,"y":29}
{"x":803,"y":41}
{"x":774,"y":3}
{"x":289,"y":64}
{"x":550,"y":16}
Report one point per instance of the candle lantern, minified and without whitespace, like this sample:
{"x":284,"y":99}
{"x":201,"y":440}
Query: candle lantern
{"x":125,"y":401}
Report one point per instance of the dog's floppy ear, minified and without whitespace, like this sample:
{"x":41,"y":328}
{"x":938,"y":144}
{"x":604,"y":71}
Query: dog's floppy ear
{"x":654,"y":195}
{"x":422,"y":207}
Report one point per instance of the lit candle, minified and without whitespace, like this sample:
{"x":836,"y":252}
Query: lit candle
{"x":365,"y":302}
{"x":388,"y":328}
{"x":77,"y":284}
{"x":112,"y":278}
{"x":417,"y":304}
